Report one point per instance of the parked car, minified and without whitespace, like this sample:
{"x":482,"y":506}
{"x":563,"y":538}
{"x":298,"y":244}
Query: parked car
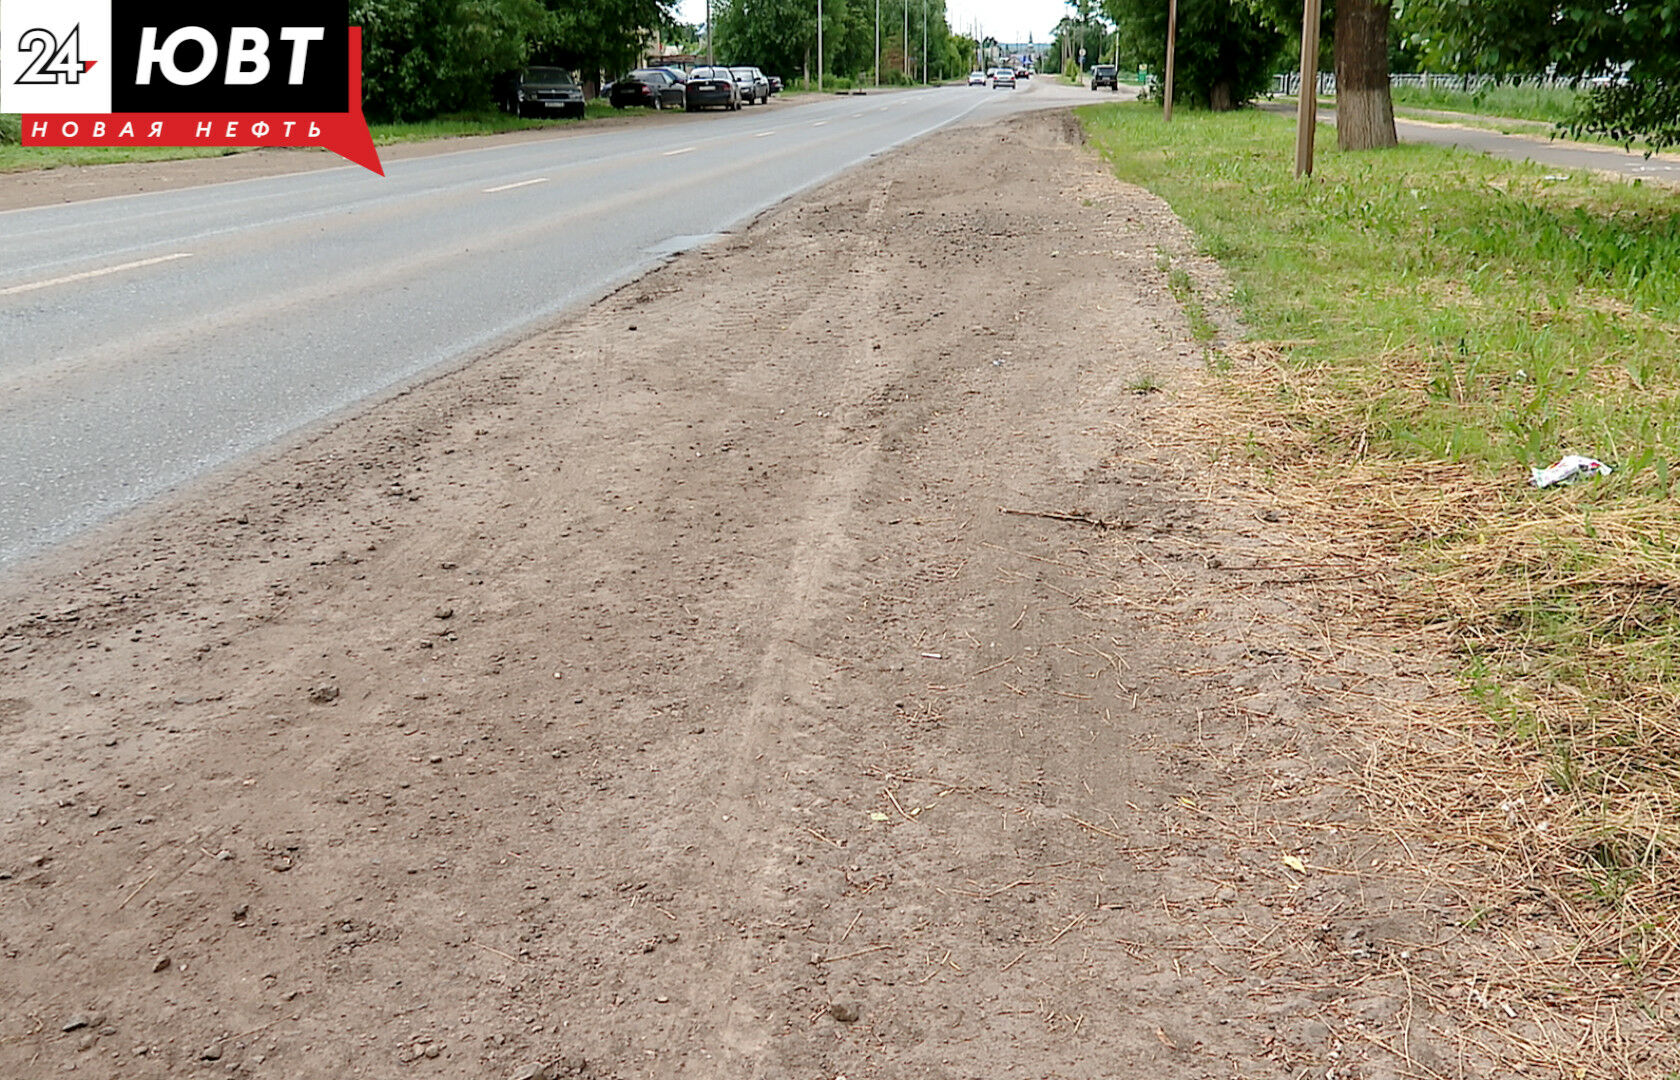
{"x":977,"y":78}
{"x":1105,"y":75}
{"x":1003,"y":77}
{"x":547,"y":91}
{"x":653,"y":88}
{"x":775,"y":84}
{"x":711,"y":87}
{"x":755,"y":88}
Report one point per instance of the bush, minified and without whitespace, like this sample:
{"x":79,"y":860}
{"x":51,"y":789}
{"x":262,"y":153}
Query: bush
{"x":11,"y":130}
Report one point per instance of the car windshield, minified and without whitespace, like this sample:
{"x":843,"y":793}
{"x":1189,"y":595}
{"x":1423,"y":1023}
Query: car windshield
{"x":549,"y":76}
{"x":1104,"y":69}
{"x":648,"y":75}
{"x":707,"y":73}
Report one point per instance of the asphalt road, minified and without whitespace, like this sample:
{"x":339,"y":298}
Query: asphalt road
{"x":1536,"y":148}
{"x":1563,"y":155}
{"x":148,"y":340}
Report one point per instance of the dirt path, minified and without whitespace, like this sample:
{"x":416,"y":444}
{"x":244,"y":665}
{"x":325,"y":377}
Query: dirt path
{"x":670,"y":696}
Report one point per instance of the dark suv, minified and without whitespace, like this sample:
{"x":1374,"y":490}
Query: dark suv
{"x":1105,"y":75}
{"x":547,"y":91}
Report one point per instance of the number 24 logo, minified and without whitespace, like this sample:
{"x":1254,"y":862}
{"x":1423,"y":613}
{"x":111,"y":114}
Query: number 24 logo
{"x":53,"y":63}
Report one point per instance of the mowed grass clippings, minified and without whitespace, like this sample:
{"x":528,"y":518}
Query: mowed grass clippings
{"x":1446,"y":322}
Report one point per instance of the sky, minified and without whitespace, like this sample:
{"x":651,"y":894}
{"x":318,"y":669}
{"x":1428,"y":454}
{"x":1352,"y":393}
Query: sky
{"x":1006,"y":20}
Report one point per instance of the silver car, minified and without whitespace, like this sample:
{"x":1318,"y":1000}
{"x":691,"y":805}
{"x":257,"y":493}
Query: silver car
{"x":755,"y":87}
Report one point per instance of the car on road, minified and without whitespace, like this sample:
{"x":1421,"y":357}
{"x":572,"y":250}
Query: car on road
{"x":712,"y":87}
{"x":1003,"y":77}
{"x":1023,"y":73}
{"x":1105,"y":75}
{"x":755,"y":88}
{"x":547,"y":91}
{"x":775,"y":84}
{"x":977,"y":78}
{"x":653,"y":88}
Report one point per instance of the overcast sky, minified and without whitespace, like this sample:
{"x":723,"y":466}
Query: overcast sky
{"x":1006,"y":20}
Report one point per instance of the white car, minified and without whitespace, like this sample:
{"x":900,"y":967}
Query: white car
{"x":977,"y":78}
{"x":1003,"y":77}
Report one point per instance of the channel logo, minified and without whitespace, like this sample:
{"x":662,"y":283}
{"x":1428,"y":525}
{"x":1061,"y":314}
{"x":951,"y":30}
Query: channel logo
{"x":128,"y":73}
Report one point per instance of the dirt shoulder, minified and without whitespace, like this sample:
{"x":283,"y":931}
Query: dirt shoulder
{"x":714,"y":685}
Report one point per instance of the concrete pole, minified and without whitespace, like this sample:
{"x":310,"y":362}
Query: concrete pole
{"x":877,"y":42}
{"x":1306,"y":108}
{"x":819,"y":48}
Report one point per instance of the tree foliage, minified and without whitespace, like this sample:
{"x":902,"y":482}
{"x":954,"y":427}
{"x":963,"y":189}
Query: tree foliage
{"x":1633,"y":45}
{"x":1226,"y":50}
{"x":781,"y":36}
{"x":425,"y":57}
{"x":421,"y":58}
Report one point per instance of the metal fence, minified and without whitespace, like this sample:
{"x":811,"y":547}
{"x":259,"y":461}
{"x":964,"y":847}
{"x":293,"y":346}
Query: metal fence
{"x":1289,"y":83}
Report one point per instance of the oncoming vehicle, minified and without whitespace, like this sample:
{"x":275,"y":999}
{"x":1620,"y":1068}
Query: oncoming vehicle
{"x":1105,"y":75}
{"x":547,"y":91}
{"x":712,"y":87}
{"x":977,"y":78}
{"x":1003,"y":77}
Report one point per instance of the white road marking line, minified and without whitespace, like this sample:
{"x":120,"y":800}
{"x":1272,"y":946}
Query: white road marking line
{"x":856,"y":115}
{"x":761,"y":134}
{"x":674,"y":153}
{"x":510,"y":187}
{"x":86,"y":274}
{"x":819,"y":123}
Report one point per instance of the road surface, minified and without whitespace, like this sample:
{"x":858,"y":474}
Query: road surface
{"x":1562,"y":154}
{"x":147,"y":340}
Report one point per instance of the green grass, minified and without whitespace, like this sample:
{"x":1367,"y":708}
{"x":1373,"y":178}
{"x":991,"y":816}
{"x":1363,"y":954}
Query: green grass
{"x":1447,"y":315}
{"x":16,"y":158}
{"x":1512,"y":301}
{"x":1552,"y":105}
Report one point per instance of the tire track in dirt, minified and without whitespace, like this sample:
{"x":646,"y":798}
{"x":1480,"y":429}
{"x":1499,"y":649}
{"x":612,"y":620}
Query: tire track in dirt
{"x":412,"y":748}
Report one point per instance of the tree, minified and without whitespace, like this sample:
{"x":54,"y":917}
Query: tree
{"x":1226,"y":52}
{"x":425,"y":57}
{"x":1364,"y":105}
{"x":596,"y":37}
{"x":1630,"y":47}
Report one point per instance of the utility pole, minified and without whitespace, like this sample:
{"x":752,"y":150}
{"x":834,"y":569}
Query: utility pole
{"x":819,"y":47}
{"x":709,"y":60}
{"x":906,"y":39}
{"x":924,"y":43}
{"x":1172,"y":46}
{"x":1306,"y":108}
{"x":877,"y":42}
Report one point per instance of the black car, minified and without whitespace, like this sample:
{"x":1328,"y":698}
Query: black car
{"x":775,"y":84}
{"x":1105,"y":75}
{"x":712,"y":87}
{"x":547,"y":91}
{"x":652,"y":88}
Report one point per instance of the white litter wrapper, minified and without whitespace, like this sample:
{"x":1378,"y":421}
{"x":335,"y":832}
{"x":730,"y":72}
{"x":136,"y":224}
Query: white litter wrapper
{"x":1572,"y":467}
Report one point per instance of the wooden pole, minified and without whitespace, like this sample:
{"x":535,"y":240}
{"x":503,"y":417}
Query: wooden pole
{"x":1172,"y":47}
{"x":1306,"y":111}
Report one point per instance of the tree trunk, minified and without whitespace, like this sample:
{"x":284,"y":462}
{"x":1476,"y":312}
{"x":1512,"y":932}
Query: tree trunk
{"x":1219,"y":97}
{"x":1364,"y":109}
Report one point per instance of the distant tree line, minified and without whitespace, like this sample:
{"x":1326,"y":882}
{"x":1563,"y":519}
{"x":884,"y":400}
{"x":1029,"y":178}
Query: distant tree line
{"x":780,"y":36}
{"x":423,"y":58}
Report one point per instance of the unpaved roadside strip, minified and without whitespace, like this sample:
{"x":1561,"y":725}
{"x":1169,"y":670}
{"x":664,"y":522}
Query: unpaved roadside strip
{"x":827,"y":655}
